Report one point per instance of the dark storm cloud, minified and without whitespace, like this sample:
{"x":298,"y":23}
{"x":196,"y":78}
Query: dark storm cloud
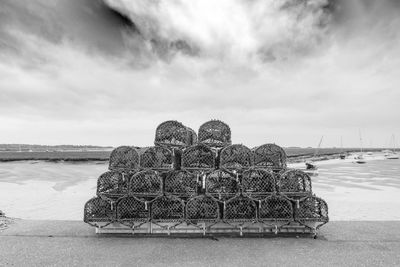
{"x":86,"y":21}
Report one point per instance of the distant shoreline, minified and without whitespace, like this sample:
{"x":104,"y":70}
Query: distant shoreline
{"x":294,"y":155}
{"x":56,"y":156}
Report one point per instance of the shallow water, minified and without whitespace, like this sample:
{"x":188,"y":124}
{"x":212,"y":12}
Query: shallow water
{"x":58,"y":191}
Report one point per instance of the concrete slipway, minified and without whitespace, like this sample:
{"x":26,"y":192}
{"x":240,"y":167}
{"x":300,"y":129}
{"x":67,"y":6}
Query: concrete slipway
{"x":73,"y":243}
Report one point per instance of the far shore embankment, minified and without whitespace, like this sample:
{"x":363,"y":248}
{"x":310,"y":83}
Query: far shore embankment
{"x":294,"y":155}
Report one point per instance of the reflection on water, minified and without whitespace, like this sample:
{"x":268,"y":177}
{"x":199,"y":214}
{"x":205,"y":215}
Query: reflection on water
{"x":46,"y":190}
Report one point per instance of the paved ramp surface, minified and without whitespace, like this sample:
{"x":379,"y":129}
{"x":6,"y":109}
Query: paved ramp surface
{"x":72,"y":243}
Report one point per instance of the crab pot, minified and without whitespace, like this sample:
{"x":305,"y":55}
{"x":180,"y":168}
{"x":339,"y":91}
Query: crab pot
{"x":98,"y":210}
{"x":130,"y":210}
{"x":294,"y":183}
{"x":147,"y":183}
{"x":193,"y":136}
{"x":181,"y":183}
{"x":269,"y":156}
{"x":124,"y":158}
{"x":275,"y":208}
{"x":202,"y":208}
{"x":258,"y":183}
{"x":168,"y":208}
{"x":198,"y":157}
{"x":221,"y":185}
{"x":240,"y":208}
{"x":157,"y":157}
{"x":311,"y":210}
{"x":215,"y":133}
{"x":200,"y":176}
{"x":113,"y":184}
{"x":235,"y":157}
{"x":173,"y":134}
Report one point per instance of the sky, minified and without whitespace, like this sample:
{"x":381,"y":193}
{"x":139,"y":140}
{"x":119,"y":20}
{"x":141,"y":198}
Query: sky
{"x":108,"y":72}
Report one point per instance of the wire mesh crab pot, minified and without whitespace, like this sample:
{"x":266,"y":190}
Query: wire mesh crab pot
{"x":157,"y":158}
{"x":198,"y":156}
{"x":202,"y":208}
{"x":193,"y":136}
{"x":112,"y":185}
{"x":239,"y":209}
{"x":124,"y":158}
{"x":98,"y":212}
{"x":215,"y":133}
{"x":294,"y":184}
{"x":167,"y":209}
{"x":147,"y":183}
{"x":221,"y":185}
{"x":269,"y":156}
{"x":312,"y":212}
{"x":131,"y":210}
{"x":173,"y":134}
{"x":258,"y":183}
{"x":275,"y":208}
{"x":235,"y":157}
{"x":181,"y":183}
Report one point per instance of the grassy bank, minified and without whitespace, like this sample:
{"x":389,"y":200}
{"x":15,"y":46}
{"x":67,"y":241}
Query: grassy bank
{"x":81,"y":156}
{"x":55,"y":156}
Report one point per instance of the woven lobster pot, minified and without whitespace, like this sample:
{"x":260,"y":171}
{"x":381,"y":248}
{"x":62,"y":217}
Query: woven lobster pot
{"x":198,"y":156}
{"x":147,"y":183}
{"x":221,"y":185}
{"x":294,"y":184}
{"x":235,"y":157}
{"x":173,"y":134}
{"x":131,"y":210}
{"x":193,"y":136}
{"x":240,"y":208}
{"x":258,"y":183}
{"x":215,"y":133}
{"x":181,"y":183}
{"x":269,"y":156}
{"x":124,"y":158}
{"x":98,"y":210}
{"x":311,"y":210}
{"x":275,"y":208}
{"x":168,"y":209}
{"x":158,"y":158}
{"x":112,"y":185}
{"x":202,"y":208}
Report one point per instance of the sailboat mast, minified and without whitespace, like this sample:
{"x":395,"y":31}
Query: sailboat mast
{"x":319,"y":145}
{"x":341,"y":144}
{"x":394,"y":144}
{"x":361,"y":145}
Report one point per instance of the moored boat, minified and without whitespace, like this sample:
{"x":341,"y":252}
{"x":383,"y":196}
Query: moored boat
{"x":311,"y":167}
{"x":391,"y":154}
{"x":360,"y":158}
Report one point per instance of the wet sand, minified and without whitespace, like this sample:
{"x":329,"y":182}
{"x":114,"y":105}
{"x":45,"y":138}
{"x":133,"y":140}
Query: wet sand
{"x":45,"y":190}
{"x":58,"y":191}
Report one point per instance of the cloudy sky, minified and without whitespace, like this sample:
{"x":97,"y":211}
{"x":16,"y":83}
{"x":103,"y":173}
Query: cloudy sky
{"x":284,"y":71}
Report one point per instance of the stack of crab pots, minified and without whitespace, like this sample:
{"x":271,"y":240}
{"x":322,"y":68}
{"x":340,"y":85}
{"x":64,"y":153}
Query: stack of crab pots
{"x":204,"y":179}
